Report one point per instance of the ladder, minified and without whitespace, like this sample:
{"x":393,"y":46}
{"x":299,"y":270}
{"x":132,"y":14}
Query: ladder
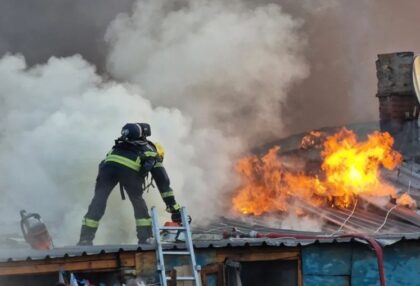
{"x":160,"y":253}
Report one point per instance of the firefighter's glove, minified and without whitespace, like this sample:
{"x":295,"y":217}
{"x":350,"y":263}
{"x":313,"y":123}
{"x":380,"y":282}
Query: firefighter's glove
{"x":174,"y":210}
{"x":176,"y":217}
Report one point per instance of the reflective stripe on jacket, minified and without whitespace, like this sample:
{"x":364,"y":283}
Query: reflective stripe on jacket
{"x":134,"y":165}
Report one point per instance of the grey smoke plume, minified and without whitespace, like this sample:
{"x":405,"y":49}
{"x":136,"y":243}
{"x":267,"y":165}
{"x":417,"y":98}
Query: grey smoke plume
{"x":227,"y":65}
{"x":343,"y":40}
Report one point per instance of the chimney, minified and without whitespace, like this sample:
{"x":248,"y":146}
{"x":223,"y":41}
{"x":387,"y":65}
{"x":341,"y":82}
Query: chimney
{"x":398,"y":103}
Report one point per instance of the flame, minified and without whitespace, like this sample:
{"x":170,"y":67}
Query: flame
{"x":349,"y":168}
{"x":406,"y":201}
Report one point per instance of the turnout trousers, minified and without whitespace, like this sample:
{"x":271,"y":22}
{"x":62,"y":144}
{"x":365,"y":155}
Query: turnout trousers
{"x":109,"y":175}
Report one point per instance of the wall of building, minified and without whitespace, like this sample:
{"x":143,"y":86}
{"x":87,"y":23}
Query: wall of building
{"x":337,"y":264}
{"x":268,"y":265}
{"x":327,"y":264}
{"x":355,"y":264}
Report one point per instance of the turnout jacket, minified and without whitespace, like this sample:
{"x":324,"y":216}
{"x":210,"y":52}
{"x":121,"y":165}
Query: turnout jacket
{"x":144,"y":157}
{"x":139,"y":156}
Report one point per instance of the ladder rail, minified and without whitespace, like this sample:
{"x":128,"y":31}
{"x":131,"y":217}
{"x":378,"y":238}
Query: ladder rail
{"x":189,"y":244}
{"x":160,"y":253}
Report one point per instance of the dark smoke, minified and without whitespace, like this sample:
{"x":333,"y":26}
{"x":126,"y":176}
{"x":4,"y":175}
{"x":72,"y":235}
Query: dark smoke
{"x":344,"y":39}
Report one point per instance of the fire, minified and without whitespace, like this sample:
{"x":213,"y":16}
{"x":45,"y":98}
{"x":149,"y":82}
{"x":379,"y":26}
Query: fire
{"x":352,"y":167}
{"x":349,"y":168}
{"x":406,"y":201}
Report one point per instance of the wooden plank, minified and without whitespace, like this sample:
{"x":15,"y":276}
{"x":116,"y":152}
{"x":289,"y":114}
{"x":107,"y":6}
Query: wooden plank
{"x":263,"y":257}
{"x":299,"y":271}
{"x":212,"y":269}
{"x":80,"y":263}
{"x":127,"y":259}
{"x":172,"y":274}
{"x":31,"y":268}
{"x":250,"y":254}
{"x":221,"y":279}
{"x":145,"y":263}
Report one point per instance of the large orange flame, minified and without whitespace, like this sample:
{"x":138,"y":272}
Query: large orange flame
{"x":348,"y":168}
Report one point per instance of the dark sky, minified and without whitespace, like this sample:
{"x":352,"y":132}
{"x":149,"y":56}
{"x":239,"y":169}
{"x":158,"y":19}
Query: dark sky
{"x":42,"y":28}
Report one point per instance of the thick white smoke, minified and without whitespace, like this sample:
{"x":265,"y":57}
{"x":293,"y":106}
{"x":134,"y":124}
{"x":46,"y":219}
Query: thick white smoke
{"x":210,"y":77}
{"x":222,"y":62}
{"x":60,"y":119}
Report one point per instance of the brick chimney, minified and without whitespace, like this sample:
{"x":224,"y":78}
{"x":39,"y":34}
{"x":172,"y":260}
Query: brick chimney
{"x":398,"y":103}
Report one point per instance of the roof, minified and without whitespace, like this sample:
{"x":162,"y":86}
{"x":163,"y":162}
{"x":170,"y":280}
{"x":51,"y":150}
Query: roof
{"x":368,"y":216}
{"x":204,"y":238}
{"x":14,"y":255}
{"x":386,"y":222}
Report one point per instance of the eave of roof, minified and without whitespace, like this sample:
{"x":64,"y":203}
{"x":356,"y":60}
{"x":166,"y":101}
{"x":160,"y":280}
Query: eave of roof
{"x":14,"y":255}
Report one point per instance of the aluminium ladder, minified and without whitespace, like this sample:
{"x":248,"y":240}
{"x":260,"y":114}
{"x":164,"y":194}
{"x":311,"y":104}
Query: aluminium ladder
{"x":160,"y":253}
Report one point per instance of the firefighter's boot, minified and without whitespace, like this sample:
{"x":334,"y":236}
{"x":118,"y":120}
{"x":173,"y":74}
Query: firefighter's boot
{"x":143,"y":233}
{"x":87,"y":234}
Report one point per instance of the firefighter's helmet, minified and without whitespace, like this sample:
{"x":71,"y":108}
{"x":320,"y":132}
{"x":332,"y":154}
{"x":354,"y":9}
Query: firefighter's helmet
{"x":136,"y":131}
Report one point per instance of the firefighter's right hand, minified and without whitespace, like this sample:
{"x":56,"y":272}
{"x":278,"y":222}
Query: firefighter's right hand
{"x":176,"y":217}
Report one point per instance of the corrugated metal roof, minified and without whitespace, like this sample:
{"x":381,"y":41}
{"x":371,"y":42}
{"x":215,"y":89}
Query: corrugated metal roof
{"x":364,"y":220}
{"x":63,"y":252}
{"x":10,"y":255}
{"x":367,"y":219}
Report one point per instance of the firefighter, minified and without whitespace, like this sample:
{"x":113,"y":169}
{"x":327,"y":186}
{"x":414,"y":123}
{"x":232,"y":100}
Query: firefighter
{"x":128,"y":163}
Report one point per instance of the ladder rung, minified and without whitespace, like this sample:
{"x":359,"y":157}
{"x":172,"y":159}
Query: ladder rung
{"x":172,"y":228}
{"x":187,"y":251}
{"x":175,"y":252}
{"x":182,"y":278}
